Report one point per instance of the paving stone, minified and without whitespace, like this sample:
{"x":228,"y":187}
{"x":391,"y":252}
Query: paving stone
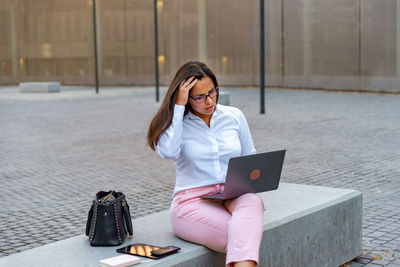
{"x":386,"y":238}
{"x":388,"y":258}
{"x":380,"y":262}
{"x":376,"y":234}
{"x":362,"y":260}
{"x":395,"y":263}
{"x":355,"y":264}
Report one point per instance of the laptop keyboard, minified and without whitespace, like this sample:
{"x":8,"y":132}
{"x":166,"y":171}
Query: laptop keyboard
{"x":216,"y":196}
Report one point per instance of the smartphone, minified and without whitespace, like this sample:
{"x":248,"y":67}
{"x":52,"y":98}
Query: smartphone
{"x":165,"y":251}
{"x":148,"y":251}
{"x":139,"y":249}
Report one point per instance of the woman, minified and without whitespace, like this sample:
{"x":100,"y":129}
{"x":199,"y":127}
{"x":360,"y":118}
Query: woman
{"x":201,"y":137}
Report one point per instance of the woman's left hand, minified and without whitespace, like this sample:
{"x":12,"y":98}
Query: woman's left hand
{"x":183,"y":91}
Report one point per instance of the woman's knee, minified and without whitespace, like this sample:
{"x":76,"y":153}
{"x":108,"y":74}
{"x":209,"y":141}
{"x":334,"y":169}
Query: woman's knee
{"x":203,"y":235}
{"x":252,"y":200}
{"x":202,"y":232}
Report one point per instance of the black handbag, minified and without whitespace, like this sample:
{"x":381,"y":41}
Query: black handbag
{"x":109,"y":219}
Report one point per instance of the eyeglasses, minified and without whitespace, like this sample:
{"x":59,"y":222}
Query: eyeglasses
{"x":201,"y":98}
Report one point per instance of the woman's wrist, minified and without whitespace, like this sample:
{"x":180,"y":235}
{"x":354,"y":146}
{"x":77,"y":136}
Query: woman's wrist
{"x":180,"y":107}
{"x":181,"y":99}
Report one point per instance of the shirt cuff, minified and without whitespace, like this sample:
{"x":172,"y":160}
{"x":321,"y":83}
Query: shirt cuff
{"x":179,"y":110}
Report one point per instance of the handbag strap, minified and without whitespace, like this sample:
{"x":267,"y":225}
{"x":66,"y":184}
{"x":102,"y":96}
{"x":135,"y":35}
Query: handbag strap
{"x":127,"y":216}
{"x":93,"y":223}
{"x":117,"y":222}
{"x":89,"y":219}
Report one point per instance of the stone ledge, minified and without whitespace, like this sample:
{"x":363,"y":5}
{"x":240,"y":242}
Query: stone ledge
{"x":303,"y":226}
{"x":39,"y":87}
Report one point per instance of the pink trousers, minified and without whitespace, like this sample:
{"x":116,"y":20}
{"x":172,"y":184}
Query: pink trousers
{"x":209,"y":223}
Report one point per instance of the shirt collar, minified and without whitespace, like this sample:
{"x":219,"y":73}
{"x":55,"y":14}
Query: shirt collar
{"x":191,"y":116}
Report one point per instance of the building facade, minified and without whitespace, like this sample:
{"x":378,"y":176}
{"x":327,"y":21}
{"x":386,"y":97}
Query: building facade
{"x":335,"y":44}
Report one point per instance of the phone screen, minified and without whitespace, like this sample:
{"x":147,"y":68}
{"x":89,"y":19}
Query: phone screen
{"x":143,"y":250}
{"x":165,"y":251}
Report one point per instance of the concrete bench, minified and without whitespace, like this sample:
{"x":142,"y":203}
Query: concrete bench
{"x":39,"y":87}
{"x":303,"y":226}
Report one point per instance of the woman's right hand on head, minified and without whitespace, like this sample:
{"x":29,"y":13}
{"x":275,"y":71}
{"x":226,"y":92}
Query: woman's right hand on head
{"x":183,"y":92}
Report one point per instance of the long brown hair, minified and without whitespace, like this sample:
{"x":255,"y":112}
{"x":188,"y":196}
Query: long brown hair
{"x":163,"y":118}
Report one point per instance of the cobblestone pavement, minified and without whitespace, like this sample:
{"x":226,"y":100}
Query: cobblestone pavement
{"x":58,"y":149}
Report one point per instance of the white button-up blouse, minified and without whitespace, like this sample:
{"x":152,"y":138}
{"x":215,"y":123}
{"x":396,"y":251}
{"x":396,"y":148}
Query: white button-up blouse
{"x":201,"y":153}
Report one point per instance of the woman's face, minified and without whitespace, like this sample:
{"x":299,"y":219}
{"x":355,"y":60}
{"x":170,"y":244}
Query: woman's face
{"x":203,"y":87}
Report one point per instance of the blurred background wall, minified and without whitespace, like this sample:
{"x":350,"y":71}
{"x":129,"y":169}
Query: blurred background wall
{"x":335,"y":44}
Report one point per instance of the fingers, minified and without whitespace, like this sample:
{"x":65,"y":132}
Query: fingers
{"x":192,"y":83}
{"x":184,"y":88}
{"x":189,"y":83}
{"x":191,"y":79}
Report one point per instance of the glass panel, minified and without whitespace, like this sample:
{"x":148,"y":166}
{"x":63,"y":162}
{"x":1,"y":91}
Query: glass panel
{"x":380,"y":45}
{"x":55,"y":42}
{"x":197,"y":29}
{"x":178,"y":37}
{"x":232,"y":49}
{"x":125,"y":34}
{"x":321,"y":44}
{"x":8,"y":57}
{"x":111,"y":41}
{"x":273,"y":43}
{"x":139,"y":20}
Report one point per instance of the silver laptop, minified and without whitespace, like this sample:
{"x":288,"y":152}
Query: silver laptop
{"x":252,"y":174}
